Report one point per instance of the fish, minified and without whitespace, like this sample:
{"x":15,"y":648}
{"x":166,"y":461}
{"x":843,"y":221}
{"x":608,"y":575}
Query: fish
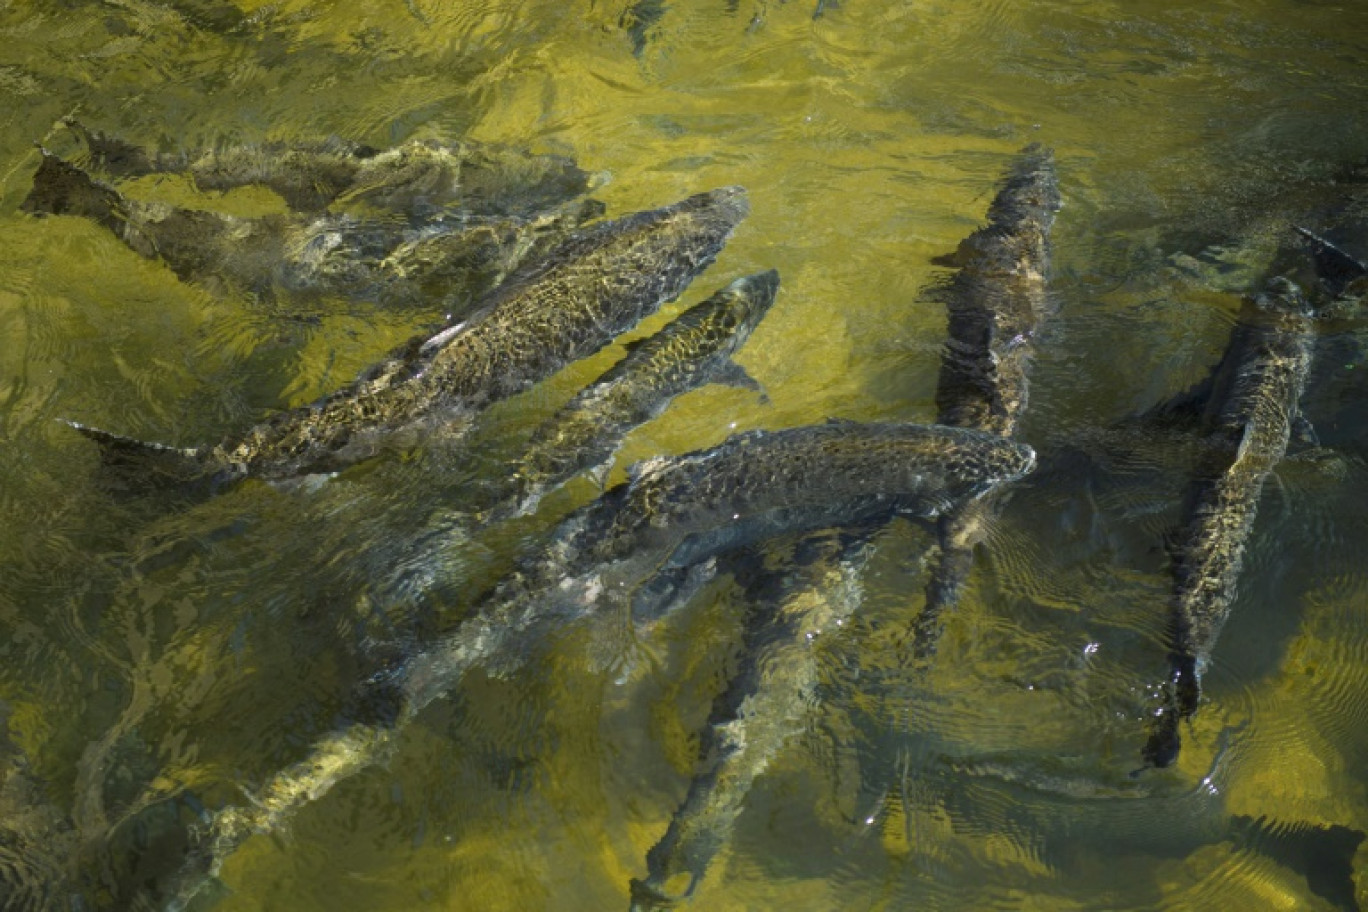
{"x":765,"y":705}
{"x":1074,"y":823}
{"x":599,"y":282}
{"x":1246,"y":412}
{"x":670,"y":513}
{"x":418,"y":177}
{"x":453,"y":260}
{"x":997,"y":302}
{"x":694,"y":349}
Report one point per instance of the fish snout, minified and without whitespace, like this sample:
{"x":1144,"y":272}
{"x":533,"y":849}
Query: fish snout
{"x":754,"y":294}
{"x":730,"y":203}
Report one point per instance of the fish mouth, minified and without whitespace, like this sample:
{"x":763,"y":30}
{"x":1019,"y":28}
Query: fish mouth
{"x":762,"y":284}
{"x":755,"y":294}
{"x":730,"y":202}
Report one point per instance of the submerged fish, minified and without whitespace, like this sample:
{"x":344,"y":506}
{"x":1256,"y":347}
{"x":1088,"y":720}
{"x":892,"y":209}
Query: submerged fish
{"x":1081,"y":825}
{"x":474,"y":178}
{"x":997,"y":302}
{"x":1247,"y":410}
{"x":765,"y":705}
{"x":453,"y":260}
{"x":567,"y":305}
{"x":672,"y":513}
{"x":693,"y":350}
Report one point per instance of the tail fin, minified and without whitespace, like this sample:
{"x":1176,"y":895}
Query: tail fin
{"x":1335,"y":268}
{"x":139,"y":465}
{"x":61,"y":188}
{"x":1324,"y":855}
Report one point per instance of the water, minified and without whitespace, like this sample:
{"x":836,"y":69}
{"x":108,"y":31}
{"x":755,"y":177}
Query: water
{"x":200,"y":650}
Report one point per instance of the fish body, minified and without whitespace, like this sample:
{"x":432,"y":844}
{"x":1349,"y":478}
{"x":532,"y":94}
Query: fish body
{"x":694,"y":349}
{"x":765,"y":705}
{"x":416,"y":177}
{"x":596,"y":284}
{"x":1246,"y":412}
{"x":452,"y":259}
{"x":997,"y":301}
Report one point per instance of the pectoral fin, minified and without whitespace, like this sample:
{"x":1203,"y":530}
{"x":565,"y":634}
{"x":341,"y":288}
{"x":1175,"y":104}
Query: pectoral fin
{"x":599,"y":473}
{"x":733,"y":374}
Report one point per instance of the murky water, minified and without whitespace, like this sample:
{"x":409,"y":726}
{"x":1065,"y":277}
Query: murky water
{"x":196,"y":651}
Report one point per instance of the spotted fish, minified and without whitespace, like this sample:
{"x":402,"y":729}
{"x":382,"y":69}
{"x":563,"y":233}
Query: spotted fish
{"x":1246,"y":411}
{"x":997,"y":301}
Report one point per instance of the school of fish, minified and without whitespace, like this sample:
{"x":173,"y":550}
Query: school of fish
{"x":528,"y":277}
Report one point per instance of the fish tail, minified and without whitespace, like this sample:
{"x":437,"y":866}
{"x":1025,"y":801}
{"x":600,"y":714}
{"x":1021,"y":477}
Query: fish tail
{"x":137,"y":464}
{"x":61,"y":188}
{"x":646,"y":898}
{"x":1182,"y":693}
{"x":1324,"y":855}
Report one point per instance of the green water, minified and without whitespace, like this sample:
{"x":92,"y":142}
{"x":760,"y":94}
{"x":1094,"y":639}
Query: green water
{"x":216,"y":643}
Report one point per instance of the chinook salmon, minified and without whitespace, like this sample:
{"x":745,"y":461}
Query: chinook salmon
{"x":596,"y":284}
{"x":765,"y":705}
{"x":421,"y":176}
{"x":997,"y":302}
{"x":1247,"y":410}
{"x":693,"y":350}
{"x":454,"y":259}
{"x":671,"y":513}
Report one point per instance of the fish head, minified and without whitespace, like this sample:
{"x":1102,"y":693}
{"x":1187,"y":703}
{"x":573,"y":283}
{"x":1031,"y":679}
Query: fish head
{"x":739,"y":308}
{"x":982,"y":461}
{"x":713,"y":214}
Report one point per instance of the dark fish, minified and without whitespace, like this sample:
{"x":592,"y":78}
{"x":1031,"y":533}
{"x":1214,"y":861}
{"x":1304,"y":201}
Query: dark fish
{"x":1246,"y":411}
{"x":453,"y":260}
{"x":1075,"y":824}
{"x":693,"y":350}
{"x":997,"y":302}
{"x":765,"y":705}
{"x":595,"y":285}
{"x":472,"y":178}
{"x":672,"y":513}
